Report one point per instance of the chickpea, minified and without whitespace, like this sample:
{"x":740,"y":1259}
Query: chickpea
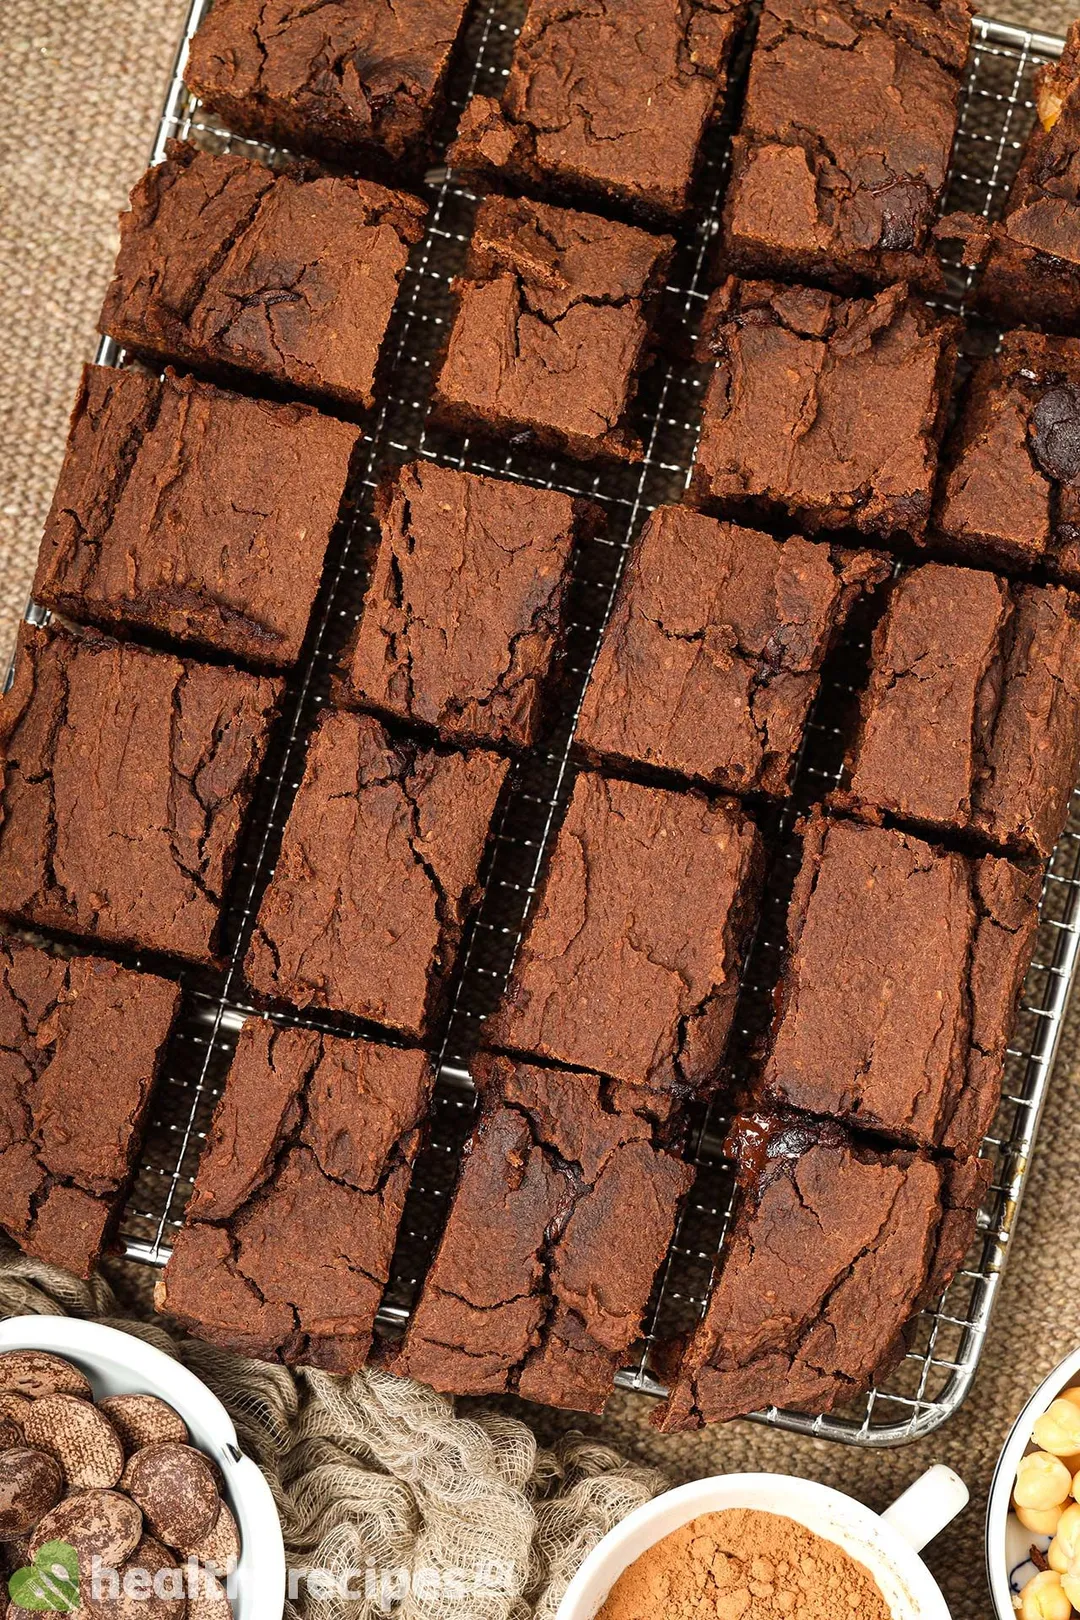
{"x":1058,"y":1429}
{"x":1042,"y":1481}
{"x":1043,"y":1598}
{"x":1064,"y":1550}
{"x":1040,"y":1523}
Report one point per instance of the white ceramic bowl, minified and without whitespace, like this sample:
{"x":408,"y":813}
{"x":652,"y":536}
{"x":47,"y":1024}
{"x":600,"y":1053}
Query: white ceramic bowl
{"x":119,"y":1364}
{"x":887,"y":1544}
{"x":1007,"y":1542}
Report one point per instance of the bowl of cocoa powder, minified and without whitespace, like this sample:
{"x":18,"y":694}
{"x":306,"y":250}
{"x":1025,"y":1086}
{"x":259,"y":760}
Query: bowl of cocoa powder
{"x":768,"y":1547}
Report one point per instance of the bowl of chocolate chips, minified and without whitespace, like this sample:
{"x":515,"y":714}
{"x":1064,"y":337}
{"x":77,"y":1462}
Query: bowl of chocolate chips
{"x":123,"y":1490}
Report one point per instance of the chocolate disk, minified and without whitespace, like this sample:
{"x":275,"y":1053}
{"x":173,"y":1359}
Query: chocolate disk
{"x":30,"y":1484}
{"x":80,"y":1437}
{"x":37,"y":1372}
{"x":209,"y":1605}
{"x":98,"y":1524}
{"x":143,"y":1420}
{"x":151,"y":1559}
{"x":177,"y":1491}
{"x":220,"y":1550}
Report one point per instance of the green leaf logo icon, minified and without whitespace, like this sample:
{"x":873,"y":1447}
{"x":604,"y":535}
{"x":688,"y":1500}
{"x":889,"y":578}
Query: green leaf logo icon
{"x":50,"y":1585}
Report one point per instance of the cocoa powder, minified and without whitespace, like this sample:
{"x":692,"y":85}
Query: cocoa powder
{"x":745,"y":1565}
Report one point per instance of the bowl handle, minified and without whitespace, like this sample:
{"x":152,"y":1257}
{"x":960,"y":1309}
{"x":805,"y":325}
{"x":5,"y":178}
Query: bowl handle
{"x":927,"y":1506}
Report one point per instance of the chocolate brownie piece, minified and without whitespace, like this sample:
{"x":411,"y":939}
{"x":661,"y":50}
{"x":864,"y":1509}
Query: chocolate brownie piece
{"x":377,"y":875}
{"x":970,"y":721}
{"x":612,"y":100}
{"x":349,"y":77}
{"x":713,"y":653}
{"x":290,"y":277}
{"x":904,"y":964}
{"x":552,"y":327}
{"x":847,"y":130}
{"x":1011,"y":493}
{"x":463,"y":618}
{"x":630,"y":962}
{"x":81,"y":1042}
{"x":833,"y":1246}
{"x":827,"y":409}
{"x":577,"y":1202}
{"x":1032,"y":271}
{"x":291,"y":1226}
{"x":127,"y":776}
{"x":194,"y":513}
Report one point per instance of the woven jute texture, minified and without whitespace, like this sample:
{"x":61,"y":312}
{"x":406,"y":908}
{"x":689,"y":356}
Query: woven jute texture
{"x":80,"y":87}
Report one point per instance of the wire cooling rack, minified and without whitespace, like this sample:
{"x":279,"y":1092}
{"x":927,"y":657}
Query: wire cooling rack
{"x":936,"y":1373}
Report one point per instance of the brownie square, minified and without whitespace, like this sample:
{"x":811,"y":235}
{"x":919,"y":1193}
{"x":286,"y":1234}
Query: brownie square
{"x":612,"y":101}
{"x":1011,"y":493}
{"x":824,"y":409}
{"x":127,"y":776}
{"x":228,"y":265}
{"x":194,"y":513}
{"x":289,"y":1233}
{"x":463,"y":618}
{"x":847,"y":131}
{"x":899,"y":992}
{"x":629,"y":965}
{"x":1032,"y":273}
{"x":970,"y":722}
{"x":577,"y":1202}
{"x":713,"y":652}
{"x":833,"y":1246}
{"x":81,"y":1043}
{"x":552,"y":328}
{"x":377,"y":876}
{"x":355,"y":78}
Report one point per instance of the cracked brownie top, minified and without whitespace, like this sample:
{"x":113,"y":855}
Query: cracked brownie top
{"x":847,"y":131}
{"x":828,"y":409}
{"x":291,"y":1226}
{"x":629,"y":964}
{"x":832,"y":1247}
{"x":291,"y":276}
{"x":712,"y":656}
{"x":338,"y":76}
{"x":193,"y":512}
{"x":377,"y":875}
{"x":1032,"y":274}
{"x":610,"y":97}
{"x":551,"y":326}
{"x":577,"y":1201}
{"x":463,"y":618}
{"x":971,"y":717}
{"x":903,"y":968}
{"x":1012,"y":488}
{"x":81,"y":1041}
{"x":127,"y":775}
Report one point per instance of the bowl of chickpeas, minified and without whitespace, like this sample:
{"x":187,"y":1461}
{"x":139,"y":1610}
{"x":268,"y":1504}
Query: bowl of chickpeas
{"x":1033,"y":1521}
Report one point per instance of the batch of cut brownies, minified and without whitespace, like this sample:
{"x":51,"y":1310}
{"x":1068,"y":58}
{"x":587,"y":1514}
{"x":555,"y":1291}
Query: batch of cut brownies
{"x":182,"y":559}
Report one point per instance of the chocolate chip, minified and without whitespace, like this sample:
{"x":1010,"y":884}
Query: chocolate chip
{"x":176,"y":1489}
{"x":98,"y":1524}
{"x":143,"y":1420}
{"x":37,"y":1372}
{"x":1054,"y":432}
{"x":80,"y":1437}
{"x":904,"y":208}
{"x":30,"y":1484}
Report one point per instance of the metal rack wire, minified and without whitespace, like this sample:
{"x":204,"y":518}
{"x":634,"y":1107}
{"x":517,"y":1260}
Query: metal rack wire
{"x":935,"y":1375}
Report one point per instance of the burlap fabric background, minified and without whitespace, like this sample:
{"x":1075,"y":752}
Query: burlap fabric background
{"x":80,"y":86}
